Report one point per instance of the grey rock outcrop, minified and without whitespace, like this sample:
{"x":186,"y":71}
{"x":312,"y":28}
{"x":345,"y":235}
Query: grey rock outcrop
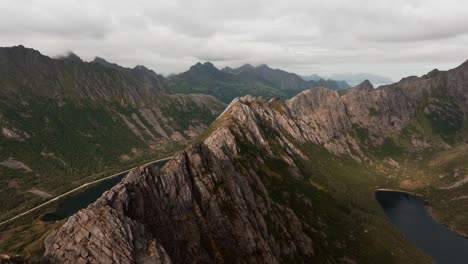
{"x":198,"y":209}
{"x":209,"y":205}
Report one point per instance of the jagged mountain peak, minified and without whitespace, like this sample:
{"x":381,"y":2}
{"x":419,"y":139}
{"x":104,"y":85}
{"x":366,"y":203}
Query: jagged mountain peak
{"x":463,"y":67}
{"x":227,"y":69}
{"x":365,"y":85}
{"x":431,"y":74}
{"x":105,"y":63}
{"x":244,"y":68}
{"x":243,"y":192}
{"x":228,"y":83}
{"x":141,"y":68}
{"x":71,"y":57}
{"x":20,"y":49}
{"x":247,"y":66}
{"x":207,"y":66}
{"x":100,"y":60}
{"x":137,"y":68}
{"x":21,"y":55}
{"x":264,"y":66}
{"x":196,"y":66}
{"x":409,"y":78}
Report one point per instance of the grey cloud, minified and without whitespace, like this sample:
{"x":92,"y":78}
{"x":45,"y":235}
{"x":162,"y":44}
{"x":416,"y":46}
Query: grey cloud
{"x":388,"y":37}
{"x":61,"y":18}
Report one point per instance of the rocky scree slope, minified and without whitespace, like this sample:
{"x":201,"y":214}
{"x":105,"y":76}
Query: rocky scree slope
{"x":219,"y":201}
{"x":62,"y":119}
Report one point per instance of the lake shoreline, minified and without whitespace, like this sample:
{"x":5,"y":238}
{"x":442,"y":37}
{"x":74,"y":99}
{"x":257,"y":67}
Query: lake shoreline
{"x":429,"y":209}
{"x":415,"y":219}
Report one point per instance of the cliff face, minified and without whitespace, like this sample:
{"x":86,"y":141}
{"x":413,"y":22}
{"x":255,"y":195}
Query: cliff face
{"x":248,"y":192}
{"x":64,"y":119}
{"x":199,"y":208}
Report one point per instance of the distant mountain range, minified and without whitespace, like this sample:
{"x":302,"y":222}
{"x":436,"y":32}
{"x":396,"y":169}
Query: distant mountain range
{"x":228,"y":83}
{"x":351,"y":78}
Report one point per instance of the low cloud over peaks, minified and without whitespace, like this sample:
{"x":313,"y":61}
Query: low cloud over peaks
{"x":393,"y":38}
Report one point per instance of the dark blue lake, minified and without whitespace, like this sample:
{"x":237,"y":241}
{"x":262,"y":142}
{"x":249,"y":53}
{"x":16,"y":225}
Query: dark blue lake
{"x":408,"y":213}
{"x":73,"y":203}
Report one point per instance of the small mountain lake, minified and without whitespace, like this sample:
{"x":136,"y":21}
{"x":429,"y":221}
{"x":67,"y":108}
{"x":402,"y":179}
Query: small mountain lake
{"x":73,"y":203}
{"x":408,"y":213}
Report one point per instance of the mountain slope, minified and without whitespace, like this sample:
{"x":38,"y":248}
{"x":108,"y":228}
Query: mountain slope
{"x":225,"y":200}
{"x":64,"y":119}
{"x":278,"y":181}
{"x":229,"y":83}
{"x":281,"y":79}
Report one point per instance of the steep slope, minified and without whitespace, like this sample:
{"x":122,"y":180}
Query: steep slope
{"x":277,"y":181}
{"x":229,"y":83}
{"x":64,"y":119}
{"x":224,"y":200}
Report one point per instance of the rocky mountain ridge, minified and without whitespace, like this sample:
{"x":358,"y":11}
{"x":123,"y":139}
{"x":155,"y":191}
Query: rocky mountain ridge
{"x":65,"y":119}
{"x":285,"y":80}
{"x":227,"y":198}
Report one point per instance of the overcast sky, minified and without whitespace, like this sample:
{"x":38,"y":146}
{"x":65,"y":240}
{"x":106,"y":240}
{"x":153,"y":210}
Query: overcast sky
{"x":394,"y":38}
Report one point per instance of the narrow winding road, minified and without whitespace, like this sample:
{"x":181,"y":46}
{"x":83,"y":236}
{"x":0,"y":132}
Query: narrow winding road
{"x":84,"y":185}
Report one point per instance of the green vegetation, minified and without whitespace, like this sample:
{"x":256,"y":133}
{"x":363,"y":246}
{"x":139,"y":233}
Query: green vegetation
{"x":66,"y":144}
{"x":64,"y":123}
{"x":183,"y":119}
{"x":70,"y":143}
{"x":265,"y":82}
{"x":362,"y":134}
{"x":446,"y":119}
{"x":344,"y":209}
{"x":431,"y":175}
{"x":389,"y":148}
{"x":335,"y":197}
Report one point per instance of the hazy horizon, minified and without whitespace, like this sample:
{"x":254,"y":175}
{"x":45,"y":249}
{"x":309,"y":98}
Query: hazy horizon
{"x":388,"y":38}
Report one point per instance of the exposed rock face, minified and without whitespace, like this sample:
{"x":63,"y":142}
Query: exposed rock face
{"x":89,"y":115}
{"x":200,"y":208}
{"x":209,"y":204}
{"x":30,"y":80}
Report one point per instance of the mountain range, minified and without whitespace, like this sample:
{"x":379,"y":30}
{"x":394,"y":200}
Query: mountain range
{"x":284,"y":175}
{"x":227,"y":84}
{"x":289,"y":181}
{"x":65,"y":122}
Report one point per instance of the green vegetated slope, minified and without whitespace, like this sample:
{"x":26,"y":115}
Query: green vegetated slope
{"x":431,"y":159}
{"x":323,"y":154}
{"x":335,"y":199}
{"x":64,"y":122}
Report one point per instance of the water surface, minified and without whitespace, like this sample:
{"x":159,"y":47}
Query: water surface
{"x":73,"y":203}
{"x":409,"y":214}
